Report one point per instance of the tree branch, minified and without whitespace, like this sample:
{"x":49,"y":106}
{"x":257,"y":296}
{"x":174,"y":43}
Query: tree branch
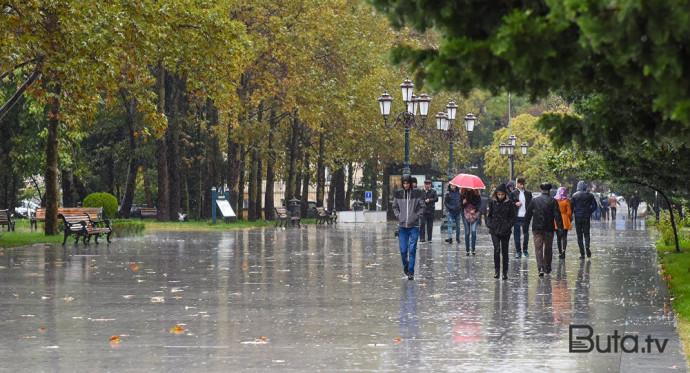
{"x":18,"y":94}
{"x":20,"y":65}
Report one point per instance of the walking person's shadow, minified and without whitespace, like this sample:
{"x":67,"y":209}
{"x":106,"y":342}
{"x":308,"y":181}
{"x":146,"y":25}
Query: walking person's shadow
{"x":409,"y":346}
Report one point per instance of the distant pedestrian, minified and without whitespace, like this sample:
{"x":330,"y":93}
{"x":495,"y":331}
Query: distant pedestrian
{"x":567,"y":217}
{"x":634,"y":204}
{"x":510,"y":185}
{"x":413,"y":180}
{"x":613,"y":202}
{"x":484,"y":208}
{"x":544,"y":209}
{"x":471,"y":200}
{"x":604,"y":206}
{"x":453,"y":203}
{"x":521,"y":197}
{"x":430,"y":198}
{"x":583,"y":204}
{"x":500,"y":220}
{"x":408,"y":206}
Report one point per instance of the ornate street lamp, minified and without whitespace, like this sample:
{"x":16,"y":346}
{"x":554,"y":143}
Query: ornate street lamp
{"x":408,"y":117}
{"x":508,"y":149}
{"x":444,"y":123}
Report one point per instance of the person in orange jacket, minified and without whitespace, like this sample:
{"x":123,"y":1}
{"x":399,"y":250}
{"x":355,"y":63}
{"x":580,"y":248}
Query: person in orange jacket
{"x":567,"y":215}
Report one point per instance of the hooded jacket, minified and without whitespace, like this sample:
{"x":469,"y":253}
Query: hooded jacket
{"x":408,"y":206}
{"x":542,"y":211}
{"x":432,"y":196}
{"x":453,"y":202}
{"x":583,"y":202}
{"x":501,"y":216}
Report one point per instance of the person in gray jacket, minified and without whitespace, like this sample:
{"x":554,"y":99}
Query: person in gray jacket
{"x":408,"y":206}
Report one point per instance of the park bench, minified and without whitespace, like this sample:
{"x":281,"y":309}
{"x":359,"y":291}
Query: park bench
{"x":82,"y":225}
{"x":40,"y":214}
{"x":282,"y":216}
{"x":6,"y":219}
{"x":148,"y":212}
{"x":323,"y":216}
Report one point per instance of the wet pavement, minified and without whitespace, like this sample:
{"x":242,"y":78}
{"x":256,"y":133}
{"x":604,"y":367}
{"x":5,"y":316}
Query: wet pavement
{"x":330,"y":298}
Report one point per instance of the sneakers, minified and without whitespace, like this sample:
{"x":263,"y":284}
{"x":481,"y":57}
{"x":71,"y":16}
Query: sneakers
{"x":496,"y":275}
{"x":548,"y":270}
{"x":468,"y":253}
{"x":410,"y":276}
{"x":421,"y":240}
{"x":473,"y":252}
{"x":449,"y":240}
{"x":582,"y":256}
{"x":518,"y":255}
{"x":541,"y":272}
{"x":561,"y":255}
{"x":526,"y":254}
{"x":429,"y":241}
{"x":405,"y":271}
{"x":505,"y":276}
{"x":589,"y":253}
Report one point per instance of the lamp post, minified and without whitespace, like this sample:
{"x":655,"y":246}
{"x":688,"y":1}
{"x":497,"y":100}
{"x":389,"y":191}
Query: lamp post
{"x":444,"y":123}
{"x":408,"y":117}
{"x":509,"y":151}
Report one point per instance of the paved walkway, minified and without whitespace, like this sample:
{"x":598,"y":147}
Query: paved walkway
{"x":330,"y":299}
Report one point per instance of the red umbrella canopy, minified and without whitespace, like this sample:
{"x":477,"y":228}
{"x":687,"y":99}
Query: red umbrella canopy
{"x":468,"y":181}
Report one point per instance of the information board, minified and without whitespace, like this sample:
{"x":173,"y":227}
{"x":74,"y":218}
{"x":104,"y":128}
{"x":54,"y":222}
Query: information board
{"x":225,"y":208}
{"x":368,"y":197}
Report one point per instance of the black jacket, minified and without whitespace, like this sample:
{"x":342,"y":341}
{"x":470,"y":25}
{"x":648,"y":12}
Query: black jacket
{"x":432,"y":196}
{"x":544,"y":210}
{"x":583,"y":202}
{"x":453,"y":202}
{"x":515,"y":197}
{"x":471,"y":199}
{"x":501,"y":217}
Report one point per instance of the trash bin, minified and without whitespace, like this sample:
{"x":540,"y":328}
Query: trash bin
{"x":295,"y":207}
{"x":358,"y":205}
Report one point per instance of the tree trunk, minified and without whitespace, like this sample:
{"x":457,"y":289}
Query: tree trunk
{"x":51,"y":171}
{"x":385,"y":195}
{"x":253,"y":190}
{"x":350,"y":184}
{"x":147,"y":188}
{"x":320,"y":172}
{"x":305,"y":186}
{"x":240,"y":185}
{"x":338,"y":183}
{"x":133,"y":166}
{"x":270,"y":170}
{"x":290,"y":184}
{"x":233,"y":173}
{"x":67,"y":189}
{"x":82,"y":192}
{"x":259,"y":182}
{"x":162,"y":155}
{"x":173,"y":149}
{"x":331,"y":194}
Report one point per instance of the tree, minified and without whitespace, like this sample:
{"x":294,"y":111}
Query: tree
{"x":626,"y":54}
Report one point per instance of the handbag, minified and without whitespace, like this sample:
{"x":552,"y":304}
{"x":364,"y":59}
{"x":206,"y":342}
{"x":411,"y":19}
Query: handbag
{"x":469,"y":216}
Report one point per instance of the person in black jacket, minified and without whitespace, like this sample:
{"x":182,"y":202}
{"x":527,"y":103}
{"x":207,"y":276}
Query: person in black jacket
{"x":471,"y":201}
{"x":584,"y":204}
{"x":500,"y":220}
{"x":634,"y":204}
{"x":544,"y":210}
{"x":521,"y":197}
{"x":430,"y":198}
{"x":453,"y":203}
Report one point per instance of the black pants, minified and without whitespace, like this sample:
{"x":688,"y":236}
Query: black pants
{"x":501,"y":250}
{"x":426,"y":226}
{"x":613,"y":213}
{"x":562,"y":241}
{"x":582,"y":229}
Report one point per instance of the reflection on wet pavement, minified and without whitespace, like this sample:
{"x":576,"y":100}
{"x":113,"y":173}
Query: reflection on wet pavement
{"x":327,"y":298}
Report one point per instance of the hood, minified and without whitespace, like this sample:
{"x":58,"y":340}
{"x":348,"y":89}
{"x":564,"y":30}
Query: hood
{"x":406,"y":177}
{"x":510,"y":184}
{"x":581,"y":186}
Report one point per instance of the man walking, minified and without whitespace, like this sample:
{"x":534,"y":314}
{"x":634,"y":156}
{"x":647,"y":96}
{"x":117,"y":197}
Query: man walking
{"x":544,"y":209}
{"x":408,"y":205}
{"x":430,"y":198}
{"x":521,"y":197}
{"x":604,"y":205}
{"x":613,"y":201}
{"x":583,"y":205}
{"x":634,"y":204}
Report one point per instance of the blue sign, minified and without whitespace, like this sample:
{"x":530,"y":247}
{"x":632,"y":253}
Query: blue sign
{"x":367,"y":197}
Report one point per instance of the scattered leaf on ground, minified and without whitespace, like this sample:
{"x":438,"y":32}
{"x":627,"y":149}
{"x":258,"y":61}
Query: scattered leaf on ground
{"x":115,"y":339}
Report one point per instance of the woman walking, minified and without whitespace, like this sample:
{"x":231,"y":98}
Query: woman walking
{"x":500,"y":221}
{"x":453,"y":209}
{"x":567,"y":215}
{"x":471,"y":200}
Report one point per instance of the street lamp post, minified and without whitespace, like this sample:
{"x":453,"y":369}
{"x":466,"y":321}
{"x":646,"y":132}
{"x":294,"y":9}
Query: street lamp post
{"x":408,"y":117}
{"x":444,"y":123}
{"x":509,"y":151}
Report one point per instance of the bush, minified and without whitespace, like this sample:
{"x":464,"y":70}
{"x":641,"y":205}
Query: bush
{"x":105,"y":200}
{"x":127,"y":227}
{"x":665,"y":229}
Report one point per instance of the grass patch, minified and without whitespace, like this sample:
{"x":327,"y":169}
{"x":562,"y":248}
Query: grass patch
{"x":127,"y":227}
{"x":201,"y":225}
{"x":676,"y":272}
{"x":21,"y":238}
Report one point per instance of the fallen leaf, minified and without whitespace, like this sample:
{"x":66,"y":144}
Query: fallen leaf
{"x":244,"y":266}
{"x":158,"y":300}
{"x":262,"y":339}
{"x":115,"y":339}
{"x":652,"y":291}
{"x":398,"y":340}
{"x":42,"y":329}
{"x":177,"y":329}
{"x":128,"y":296}
{"x":69,"y":299}
{"x":135,"y":267}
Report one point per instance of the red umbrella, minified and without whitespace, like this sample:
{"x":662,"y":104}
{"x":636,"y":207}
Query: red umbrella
{"x":468,"y":181}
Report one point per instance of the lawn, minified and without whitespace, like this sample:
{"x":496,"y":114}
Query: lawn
{"x":676,"y":272}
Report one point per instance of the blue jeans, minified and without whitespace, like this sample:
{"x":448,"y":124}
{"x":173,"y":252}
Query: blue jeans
{"x":407,"y":237}
{"x":473,"y":227}
{"x":517,"y":230}
{"x":453,"y":221}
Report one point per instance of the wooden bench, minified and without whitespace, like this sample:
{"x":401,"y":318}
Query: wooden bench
{"x":148,"y":212}
{"x":81,"y":225}
{"x":40,"y":214}
{"x":323,"y":216}
{"x":6,"y":219}
{"x":282,"y":216}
